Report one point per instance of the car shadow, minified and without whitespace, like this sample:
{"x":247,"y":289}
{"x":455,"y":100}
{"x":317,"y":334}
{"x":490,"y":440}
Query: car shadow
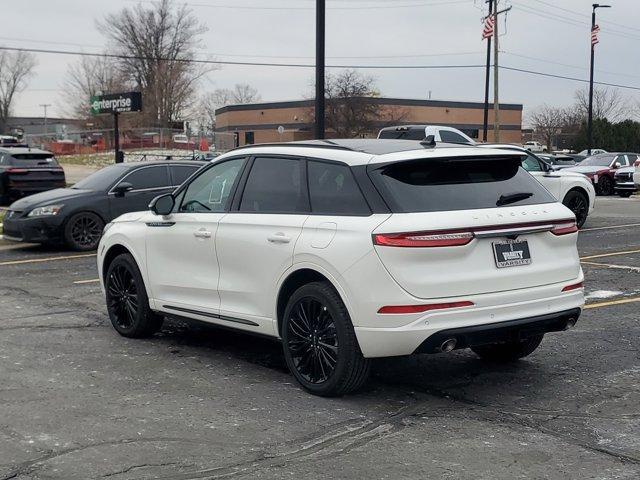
{"x":458,"y":374}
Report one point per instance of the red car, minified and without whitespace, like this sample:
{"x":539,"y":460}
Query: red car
{"x":601,"y":169}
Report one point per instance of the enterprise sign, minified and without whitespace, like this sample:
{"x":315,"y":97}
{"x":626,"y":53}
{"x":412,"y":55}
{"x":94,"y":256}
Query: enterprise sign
{"x":116,"y":103}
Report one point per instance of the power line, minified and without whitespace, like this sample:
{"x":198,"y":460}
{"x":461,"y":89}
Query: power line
{"x":564,"y":77}
{"x":584,"y":15}
{"x":307,"y":65}
{"x":570,"y":21}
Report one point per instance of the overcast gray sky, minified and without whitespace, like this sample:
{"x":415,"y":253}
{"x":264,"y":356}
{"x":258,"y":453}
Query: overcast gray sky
{"x":544,"y":35}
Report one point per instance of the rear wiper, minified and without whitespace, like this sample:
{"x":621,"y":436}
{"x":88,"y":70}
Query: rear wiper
{"x":512,"y":198}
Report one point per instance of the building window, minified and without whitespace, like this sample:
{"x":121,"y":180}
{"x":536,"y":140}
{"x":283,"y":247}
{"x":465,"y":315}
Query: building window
{"x":248,"y":138}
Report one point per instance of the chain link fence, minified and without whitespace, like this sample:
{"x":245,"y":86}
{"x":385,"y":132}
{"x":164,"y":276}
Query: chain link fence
{"x":87,"y":142}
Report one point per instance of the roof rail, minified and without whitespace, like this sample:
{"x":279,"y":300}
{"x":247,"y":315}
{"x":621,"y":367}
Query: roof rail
{"x":310,"y":144}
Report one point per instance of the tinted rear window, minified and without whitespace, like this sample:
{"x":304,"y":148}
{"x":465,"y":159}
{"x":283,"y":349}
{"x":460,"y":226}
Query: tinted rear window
{"x":33,"y":159}
{"x":409,"y":134}
{"x":181,"y":172}
{"x":455,"y":184}
{"x":334,"y":191}
{"x":274,"y":185}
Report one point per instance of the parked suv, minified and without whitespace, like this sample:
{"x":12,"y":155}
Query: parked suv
{"x":25,"y":171}
{"x":348,"y":250}
{"x":572,"y":189}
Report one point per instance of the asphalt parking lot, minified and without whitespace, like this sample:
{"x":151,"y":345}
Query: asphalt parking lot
{"x":77,"y":401}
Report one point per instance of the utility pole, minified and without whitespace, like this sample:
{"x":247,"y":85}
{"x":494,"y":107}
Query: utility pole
{"x":320,"y":60}
{"x":486,"y":81}
{"x":45,"y":106}
{"x":496,"y":101}
{"x":593,"y":40}
{"x":496,"y":89}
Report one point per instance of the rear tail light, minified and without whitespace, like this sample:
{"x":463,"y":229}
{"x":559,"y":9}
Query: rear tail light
{"x":564,"y":228}
{"x":454,"y":238}
{"x":418,"y":239}
{"x":17,"y":170}
{"x":404,"y":309}
{"x":574,"y":286}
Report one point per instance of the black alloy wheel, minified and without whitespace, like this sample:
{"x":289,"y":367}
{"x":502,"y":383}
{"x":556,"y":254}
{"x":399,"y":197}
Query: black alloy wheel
{"x":122,"y":296}
{"x":83,"y":231}
{"x":312,"y":340}
{"x":578,"y":203}
{"x":605,"y":186}
{"x":127,"y":301}
{"x":319,"y":342}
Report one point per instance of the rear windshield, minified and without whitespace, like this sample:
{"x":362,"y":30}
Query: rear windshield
{"x":33,"y":159}
{"x":457,"y":184}
{"x":598,"y":161}
{"x":408,"y":134}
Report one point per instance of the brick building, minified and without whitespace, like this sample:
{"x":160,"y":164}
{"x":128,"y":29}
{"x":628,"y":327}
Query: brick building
{"x":260,"y":122}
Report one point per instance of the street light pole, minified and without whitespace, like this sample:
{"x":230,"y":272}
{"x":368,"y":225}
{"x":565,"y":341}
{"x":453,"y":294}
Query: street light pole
{"x":593,"y":45}
{"x":320,"y":60}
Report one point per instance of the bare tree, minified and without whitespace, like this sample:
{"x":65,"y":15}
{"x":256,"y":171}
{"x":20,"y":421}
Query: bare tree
{"x":159,"y":44}
{"x":15,"y":70}
{"x":547,"y":122}
{"x":221,"y":97}
{"x":88,"y":77}
{"x":608,"y":103}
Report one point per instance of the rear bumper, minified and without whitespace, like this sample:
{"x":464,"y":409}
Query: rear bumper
{"x":405,"y":334}
{"x":33,"y":230}
{"x":512,"y":330}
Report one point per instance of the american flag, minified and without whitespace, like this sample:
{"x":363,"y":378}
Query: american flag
{"x":594,"y":34}
{"x":487,"y":31}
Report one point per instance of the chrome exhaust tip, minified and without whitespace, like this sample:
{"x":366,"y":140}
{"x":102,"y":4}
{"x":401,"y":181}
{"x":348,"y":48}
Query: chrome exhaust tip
{"x":448,"y":345}
{"x":571,"y":323}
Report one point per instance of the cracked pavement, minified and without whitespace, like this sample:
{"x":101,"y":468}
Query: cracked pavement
{"x":77,"y":401}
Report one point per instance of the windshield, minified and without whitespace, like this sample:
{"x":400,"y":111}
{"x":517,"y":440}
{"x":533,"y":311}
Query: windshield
{"x":457,"y":184}
{"x":102,"y":179}
{"x":598,"y":161}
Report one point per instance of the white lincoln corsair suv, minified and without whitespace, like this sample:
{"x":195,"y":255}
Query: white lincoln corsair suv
{"x":348,"y":250}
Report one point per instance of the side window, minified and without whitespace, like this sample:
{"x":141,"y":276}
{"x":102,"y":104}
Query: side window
{"x":274,"y":185}
{"x":334,"y":191}
{"x":209,"y":192}
{"x":531,"y":164}
{"x":452,"y":137}
{"x":148,"y":177}
{"x":179,"y":173}
{"x":621,"y":159}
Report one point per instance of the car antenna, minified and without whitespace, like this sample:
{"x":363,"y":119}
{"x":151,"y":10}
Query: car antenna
{"x":429,"y":141}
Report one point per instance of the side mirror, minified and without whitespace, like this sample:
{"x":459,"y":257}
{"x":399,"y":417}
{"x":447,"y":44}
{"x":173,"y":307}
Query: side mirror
{"x":162,"y":204}
{"x":122,"y":188}
{"x":617,"y":165}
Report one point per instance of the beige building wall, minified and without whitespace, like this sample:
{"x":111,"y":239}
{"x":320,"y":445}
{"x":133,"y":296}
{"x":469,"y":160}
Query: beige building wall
{"x":261,"y":121}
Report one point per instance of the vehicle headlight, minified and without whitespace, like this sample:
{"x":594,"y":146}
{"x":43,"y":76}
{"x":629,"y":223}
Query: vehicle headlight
{"x":47,"y":211}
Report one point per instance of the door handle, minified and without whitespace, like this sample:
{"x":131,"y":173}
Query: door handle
{"x":278,"y":238}
{"x":202,"y":234}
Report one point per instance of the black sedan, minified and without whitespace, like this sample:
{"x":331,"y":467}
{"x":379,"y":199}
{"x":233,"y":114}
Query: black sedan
{"x":76,"y":216}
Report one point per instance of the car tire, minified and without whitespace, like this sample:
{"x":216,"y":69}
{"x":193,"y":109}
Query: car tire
{"x":83,"y":231}
{"x":127,"y":300}
{"x":319,"y":342}
{"x":605,"y":186}
{"x":625,"y":194}
{"x":578,"y":203}
{"x":509,"y":351}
